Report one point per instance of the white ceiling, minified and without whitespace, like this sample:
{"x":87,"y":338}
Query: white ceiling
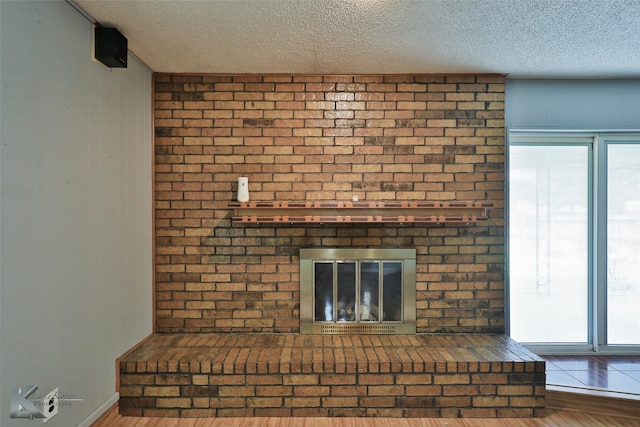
{"x":522,"y":38}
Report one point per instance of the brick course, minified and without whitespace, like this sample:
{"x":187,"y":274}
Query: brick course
{"x":420,"y":137}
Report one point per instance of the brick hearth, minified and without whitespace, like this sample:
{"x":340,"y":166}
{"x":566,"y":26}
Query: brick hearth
{"x":228,"y":375}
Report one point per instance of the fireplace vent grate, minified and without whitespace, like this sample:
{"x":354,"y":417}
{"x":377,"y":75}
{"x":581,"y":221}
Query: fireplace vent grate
{"x":358,"y":329}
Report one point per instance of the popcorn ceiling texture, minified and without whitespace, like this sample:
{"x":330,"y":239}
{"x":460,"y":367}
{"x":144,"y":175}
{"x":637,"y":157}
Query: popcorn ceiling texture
{"x":522,"y":38}
{"x":384,"y":138}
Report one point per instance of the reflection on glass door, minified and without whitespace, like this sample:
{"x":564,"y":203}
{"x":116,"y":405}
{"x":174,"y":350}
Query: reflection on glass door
{"x":323,"y":291}
{"x":623,"y":243}
{"x":358,"y":291}
{"x":549,"y":243}
{"x":392,"y":292}
{"x":346,"y":305}
{"x":369,"y":290}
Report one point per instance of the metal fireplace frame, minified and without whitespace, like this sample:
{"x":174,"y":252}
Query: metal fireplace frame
{"x":308,"y":257}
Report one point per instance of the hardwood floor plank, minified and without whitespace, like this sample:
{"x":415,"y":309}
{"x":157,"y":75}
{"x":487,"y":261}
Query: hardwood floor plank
{"x":555,"y":418}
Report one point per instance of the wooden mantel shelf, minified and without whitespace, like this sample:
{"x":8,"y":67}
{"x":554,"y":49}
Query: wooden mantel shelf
{"x":359,"y":212}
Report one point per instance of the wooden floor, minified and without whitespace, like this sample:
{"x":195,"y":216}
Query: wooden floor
{"x":554,"y":419}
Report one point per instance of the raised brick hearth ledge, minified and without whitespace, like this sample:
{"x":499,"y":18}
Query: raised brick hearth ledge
{"x":282,"y":375}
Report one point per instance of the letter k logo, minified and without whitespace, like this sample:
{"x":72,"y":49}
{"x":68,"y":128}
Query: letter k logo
{"x":21,"y":406}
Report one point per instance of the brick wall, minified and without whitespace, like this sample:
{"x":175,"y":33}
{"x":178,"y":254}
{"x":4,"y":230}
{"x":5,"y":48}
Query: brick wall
{"x":421,"y":137}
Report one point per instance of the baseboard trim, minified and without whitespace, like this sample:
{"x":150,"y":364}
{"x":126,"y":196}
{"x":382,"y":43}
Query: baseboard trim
{"x":95,"y":415}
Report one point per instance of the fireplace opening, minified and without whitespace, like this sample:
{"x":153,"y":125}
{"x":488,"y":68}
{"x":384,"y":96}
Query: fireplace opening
{"x":357,"y":291}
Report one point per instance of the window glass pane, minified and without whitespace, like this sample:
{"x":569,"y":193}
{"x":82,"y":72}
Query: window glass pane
{"x":369,"y":291}
{"x":392,"y":291}
{"x":548,"y":243}
{"x":323,"y":291}
{"x":346,"y":291}
{"x":623,"y":244}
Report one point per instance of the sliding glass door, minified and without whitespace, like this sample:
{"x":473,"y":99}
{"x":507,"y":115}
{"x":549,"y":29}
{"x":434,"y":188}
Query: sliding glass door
{"x":623,"y":243}
{"x":574,"y":240}
{"x":548,"y":243}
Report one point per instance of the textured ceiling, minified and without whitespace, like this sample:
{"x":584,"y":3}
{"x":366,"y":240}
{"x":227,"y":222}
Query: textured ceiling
{"x":522,"y":38}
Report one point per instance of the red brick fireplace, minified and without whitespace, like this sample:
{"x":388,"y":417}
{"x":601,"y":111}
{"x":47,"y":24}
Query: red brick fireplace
{"x":227,"y":336}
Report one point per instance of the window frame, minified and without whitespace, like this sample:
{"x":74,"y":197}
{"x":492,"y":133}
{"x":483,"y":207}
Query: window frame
{"x":597,"y":142}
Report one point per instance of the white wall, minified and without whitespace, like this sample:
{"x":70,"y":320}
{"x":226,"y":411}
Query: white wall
{"x":75,"y":210}
{"x":573,"y":104}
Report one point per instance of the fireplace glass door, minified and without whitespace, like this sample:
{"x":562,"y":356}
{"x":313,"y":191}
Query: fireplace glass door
{"x":358,"y":291}
{"x":371,"y":291}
